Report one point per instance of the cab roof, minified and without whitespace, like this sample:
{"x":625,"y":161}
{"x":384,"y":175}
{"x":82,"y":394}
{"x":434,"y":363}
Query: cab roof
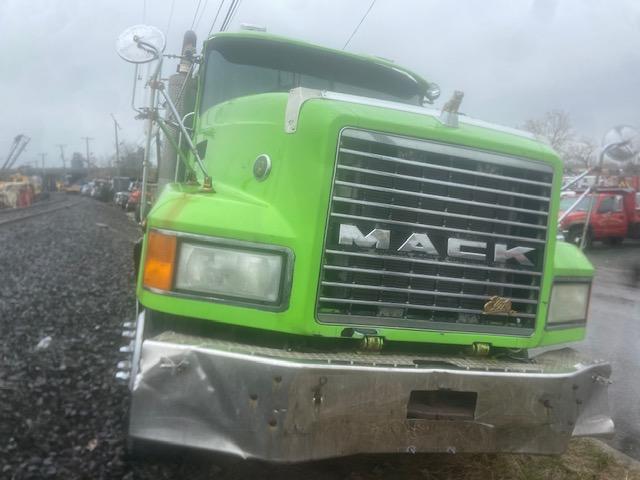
{"x":281,"y":52}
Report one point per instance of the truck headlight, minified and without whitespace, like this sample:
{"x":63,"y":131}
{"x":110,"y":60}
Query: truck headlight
{"x":248,"y":276}
{"x":569,"y":303}
{"x":217,"y":269}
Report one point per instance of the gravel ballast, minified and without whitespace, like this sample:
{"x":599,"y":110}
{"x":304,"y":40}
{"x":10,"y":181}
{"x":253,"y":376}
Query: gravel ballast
{"x":66,"y":286}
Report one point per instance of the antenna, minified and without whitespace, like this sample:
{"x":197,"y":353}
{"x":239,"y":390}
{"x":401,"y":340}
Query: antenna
{"x":358,"y":26}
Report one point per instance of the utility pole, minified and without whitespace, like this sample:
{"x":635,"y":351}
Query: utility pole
{"x":43,"y":155}
{"x":64,"y":162}
{"x":86,"y":139}
{"x":116,"y":127}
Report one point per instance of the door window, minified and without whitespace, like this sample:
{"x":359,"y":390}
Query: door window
{"x":606,"y":205}
{"x":617,"y":203}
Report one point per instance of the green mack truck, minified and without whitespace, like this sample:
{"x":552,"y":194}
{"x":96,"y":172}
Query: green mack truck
{"x":336,"y":267}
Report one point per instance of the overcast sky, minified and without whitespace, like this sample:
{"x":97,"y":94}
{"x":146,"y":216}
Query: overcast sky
{"x":60,"y":77}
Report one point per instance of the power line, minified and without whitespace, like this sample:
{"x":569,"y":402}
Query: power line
{"x":226,"y":16}
{"x":206,"y":2}
{"x":166,"y":32}
{"x":233,"y":14}
{"x":216,"y":17}
{"x":195,"y":14}
{"x":358,"y":26}
{"x":232,"y":11}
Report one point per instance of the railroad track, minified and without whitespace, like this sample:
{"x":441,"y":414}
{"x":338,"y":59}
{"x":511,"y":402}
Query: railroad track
{"x":18,"y":215}
{"x":34,"y":206}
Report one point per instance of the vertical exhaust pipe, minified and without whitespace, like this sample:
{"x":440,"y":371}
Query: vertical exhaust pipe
{"x":178,"y":91}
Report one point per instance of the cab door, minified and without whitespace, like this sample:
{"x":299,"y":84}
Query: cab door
{"x":611,"y":218}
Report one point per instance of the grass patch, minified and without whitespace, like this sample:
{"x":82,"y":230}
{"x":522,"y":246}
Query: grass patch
{"x":584,"y":460}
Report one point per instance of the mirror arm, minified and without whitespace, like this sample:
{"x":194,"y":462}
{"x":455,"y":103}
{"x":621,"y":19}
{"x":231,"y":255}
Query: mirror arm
{"x":574,"y":205}
{"x":163,"y":126}
{"x":148,"y":47}
{"x":133,"y":90}
{"x":207,"y":178}
{"x":184,"y":122}
{"x":577,"y":179}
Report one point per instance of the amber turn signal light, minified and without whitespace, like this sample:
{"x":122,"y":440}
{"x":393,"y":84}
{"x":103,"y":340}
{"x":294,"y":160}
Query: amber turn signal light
{"x":159,"y":261}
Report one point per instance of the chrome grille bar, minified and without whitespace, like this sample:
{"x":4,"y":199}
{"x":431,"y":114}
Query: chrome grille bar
{"x":424,"y":261}
{"x":434,"y":212}
{"x":435,"y":227}
{"x":414,"y":291}
{"x":414,"y":306}
{"x":441,"y":167}
{"x":442,"y":182}
{"x":395,"y":191}
{"x":431,"y":277}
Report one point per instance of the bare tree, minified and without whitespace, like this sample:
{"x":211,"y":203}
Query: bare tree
{"x":580,"y":153}
{"x":555,"y":128}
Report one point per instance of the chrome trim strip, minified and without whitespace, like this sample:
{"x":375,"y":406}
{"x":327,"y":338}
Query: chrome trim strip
{"x":433,"y":262}
{"x":416,"y":307}
{"x":389,"y":158}
{"x":429,"y":277}
{"x":442,"y":182}
{"x":440,"y":197}
{"x":299,"y":96}
{"x":424,"y":325}
{"x":435,"y":293}
{"x":439,"y":213}
{"x":434,"y":227}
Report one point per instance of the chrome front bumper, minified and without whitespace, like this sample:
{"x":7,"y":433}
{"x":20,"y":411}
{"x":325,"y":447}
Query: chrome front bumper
{"x":287,"y":407}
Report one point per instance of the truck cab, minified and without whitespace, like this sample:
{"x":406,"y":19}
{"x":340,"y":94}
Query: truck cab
{"x":365,"y":273}
{"x":614,"y":216}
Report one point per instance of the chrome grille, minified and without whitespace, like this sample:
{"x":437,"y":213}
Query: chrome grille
{"x":407,"y":186}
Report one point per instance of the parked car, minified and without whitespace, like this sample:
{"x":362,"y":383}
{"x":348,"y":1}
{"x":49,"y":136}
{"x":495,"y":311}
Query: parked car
{"x":86,"y":188}
{"x":101,"y":190}
{"x":120,"y":199}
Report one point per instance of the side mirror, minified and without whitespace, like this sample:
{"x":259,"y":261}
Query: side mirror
{"x":622,"y":143}
{"x":140,"y":44}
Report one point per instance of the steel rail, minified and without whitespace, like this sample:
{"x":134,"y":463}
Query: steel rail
{"x":36,"y":214}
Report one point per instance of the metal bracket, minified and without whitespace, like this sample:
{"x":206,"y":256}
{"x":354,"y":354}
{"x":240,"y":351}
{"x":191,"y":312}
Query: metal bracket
{"x":297,"y":97}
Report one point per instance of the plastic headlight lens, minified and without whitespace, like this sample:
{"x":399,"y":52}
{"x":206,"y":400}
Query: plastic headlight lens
{"x":569,"y":303}
{"x":241,"y":274}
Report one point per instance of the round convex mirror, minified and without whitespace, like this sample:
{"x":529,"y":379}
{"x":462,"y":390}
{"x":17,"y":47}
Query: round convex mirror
{"x":629,"y":142}
{"x":140,"y":44}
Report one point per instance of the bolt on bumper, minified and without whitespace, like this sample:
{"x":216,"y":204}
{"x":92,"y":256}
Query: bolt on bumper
{"x":285,"y":406}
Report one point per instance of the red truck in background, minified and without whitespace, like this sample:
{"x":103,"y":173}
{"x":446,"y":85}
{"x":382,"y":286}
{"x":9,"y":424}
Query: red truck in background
{"x":615,"y":215}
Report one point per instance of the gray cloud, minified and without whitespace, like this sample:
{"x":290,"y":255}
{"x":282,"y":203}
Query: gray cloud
{"x":61,"y":78}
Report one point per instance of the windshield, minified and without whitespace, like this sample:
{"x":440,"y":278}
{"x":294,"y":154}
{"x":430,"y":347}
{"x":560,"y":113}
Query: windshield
{"x":583,"y":206}
{"x":237,"y":67}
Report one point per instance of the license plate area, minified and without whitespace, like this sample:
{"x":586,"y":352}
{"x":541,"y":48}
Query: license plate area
{"x":442,"y":405}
